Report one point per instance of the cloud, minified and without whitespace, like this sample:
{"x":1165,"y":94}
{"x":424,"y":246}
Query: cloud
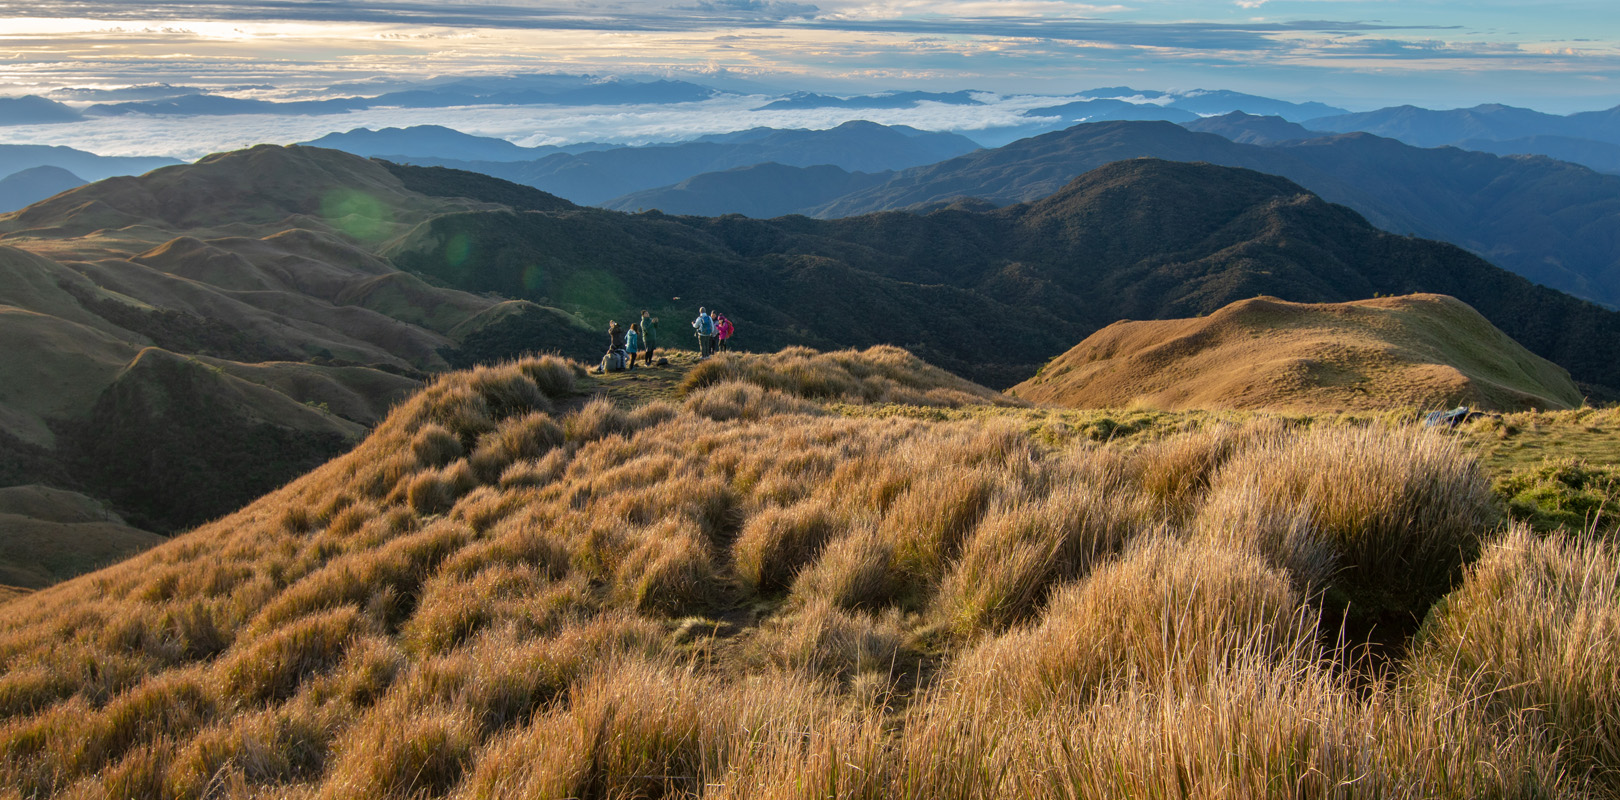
{"x":757,"y":9}
{"x":194,"y":137}
{"x":304,"y":46}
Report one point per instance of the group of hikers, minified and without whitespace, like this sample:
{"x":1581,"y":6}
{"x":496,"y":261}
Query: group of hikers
{"x":640,"y":339}
{"x":713,"y":332}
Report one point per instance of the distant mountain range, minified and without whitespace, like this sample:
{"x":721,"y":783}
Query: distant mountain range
{"x":33,"y":110}
{"x":15,"y":158}
{"x":1536,"y":217}
{"x":35,"y":184}
{"x":1252,"y":129}
{"x":598,"y":175}
{"x":1601,"y":156}
{"x":988,"y":293}
{"x":1491,"y":122}
{"x":1588,"y":137}
{"x":761,"y":191}
{"x":887,"y":100}
{"x":437,"y":141}
{"x":167,"y":332}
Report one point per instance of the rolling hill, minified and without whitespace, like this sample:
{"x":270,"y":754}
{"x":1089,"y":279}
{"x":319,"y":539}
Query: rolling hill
{"x":1427,"y":351}
{"x":182,"y":342}
{"x":34,"y":110}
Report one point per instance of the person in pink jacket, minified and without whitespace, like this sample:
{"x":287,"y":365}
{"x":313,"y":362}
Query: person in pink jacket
{"x":722,"y":329}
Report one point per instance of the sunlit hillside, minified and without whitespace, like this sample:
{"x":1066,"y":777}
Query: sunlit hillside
{"x":1420,"y":350}
{"x":760,"y":590}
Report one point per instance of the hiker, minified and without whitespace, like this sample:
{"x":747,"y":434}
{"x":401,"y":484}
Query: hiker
{"x":632,"y":343}
{"x":722,"y":330}
{"x":704,"y":325}
{"x":613,"y":361}
{"x":649,"y":336}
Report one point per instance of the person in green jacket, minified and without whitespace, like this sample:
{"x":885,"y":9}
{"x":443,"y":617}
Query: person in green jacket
{"x":649,"y":337}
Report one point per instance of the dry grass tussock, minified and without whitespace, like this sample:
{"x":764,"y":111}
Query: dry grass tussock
{"x":882,"y":374}
{"x":503,"y":593}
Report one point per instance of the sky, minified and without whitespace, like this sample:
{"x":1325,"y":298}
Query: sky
{"x":1552,"y":55}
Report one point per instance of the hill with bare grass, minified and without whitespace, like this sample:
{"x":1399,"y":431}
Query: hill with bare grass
{"x":48,"y":535}
{"x":502,"y":592}
{"x":251,"y":277}
{"x":1424,"y":351}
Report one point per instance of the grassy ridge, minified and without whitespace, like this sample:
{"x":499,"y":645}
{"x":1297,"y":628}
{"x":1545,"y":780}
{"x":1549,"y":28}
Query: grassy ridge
{"x":505,"y":591}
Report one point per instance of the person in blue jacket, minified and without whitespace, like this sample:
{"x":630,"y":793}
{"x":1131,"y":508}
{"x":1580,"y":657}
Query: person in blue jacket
{"x":632,"y":343}
{"x":704,"y":325}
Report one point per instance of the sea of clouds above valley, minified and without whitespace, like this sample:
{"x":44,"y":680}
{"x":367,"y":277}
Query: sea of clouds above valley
{"x":191,"y":137}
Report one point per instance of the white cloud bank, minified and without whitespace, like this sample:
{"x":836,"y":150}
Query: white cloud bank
{"x":190,"y":138}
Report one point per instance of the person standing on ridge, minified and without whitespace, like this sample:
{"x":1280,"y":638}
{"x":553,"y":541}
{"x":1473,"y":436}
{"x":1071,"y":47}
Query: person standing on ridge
{"x":722,"y":330}
{"x":704,"y":325}
{"x":632,"y":343}
{"x":649,"y":336}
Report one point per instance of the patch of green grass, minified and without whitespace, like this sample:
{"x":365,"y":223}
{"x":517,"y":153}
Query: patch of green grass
{"x":1562,"y":493}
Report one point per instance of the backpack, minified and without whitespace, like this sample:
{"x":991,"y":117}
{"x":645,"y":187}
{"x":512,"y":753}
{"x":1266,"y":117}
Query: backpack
{"x":705,"y":325}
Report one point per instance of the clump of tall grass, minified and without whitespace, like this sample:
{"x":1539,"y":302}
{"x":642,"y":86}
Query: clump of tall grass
{"x":518,"y":439}
{"x":856,"y":571}
{"x":881,"y":374}
{"x":778,"y":542}
{"x":273,"y":667}
{"x":402,"y":752}
{"x":825,"y":640}
{"x":739,"y":400}
{"x":1534,"y":634}
{"x":1166,"y":611}
{"x":435,"y":446}
{"x":434,"y":492}
{"x":597,"y":419}
{"x":1398,"y":511}
{"x":1024,"y":546}
{"x":555,"y":377}
{"x":671,"y":571}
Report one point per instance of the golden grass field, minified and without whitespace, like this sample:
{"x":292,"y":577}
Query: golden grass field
{"x":847,"y":575}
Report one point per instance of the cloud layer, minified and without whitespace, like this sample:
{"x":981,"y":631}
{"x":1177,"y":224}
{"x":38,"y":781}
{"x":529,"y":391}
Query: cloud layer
{"x":1558,"y":56}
